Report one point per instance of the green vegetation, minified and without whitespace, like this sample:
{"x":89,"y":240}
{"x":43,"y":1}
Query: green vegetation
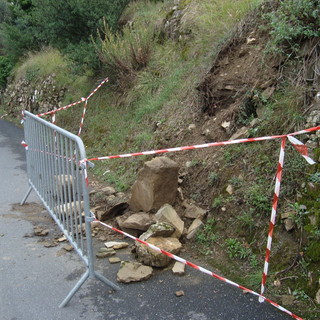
{"x":155,"y":64}
{"x":292,"y":23}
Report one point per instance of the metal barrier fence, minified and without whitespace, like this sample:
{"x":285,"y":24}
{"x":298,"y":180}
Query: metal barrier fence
{"x":56,"y":172}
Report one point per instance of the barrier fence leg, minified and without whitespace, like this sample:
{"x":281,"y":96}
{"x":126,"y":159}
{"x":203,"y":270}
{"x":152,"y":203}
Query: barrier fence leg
{"x":74,"y":290}
{"x":26,"y":196}
{"x":106,"y":281}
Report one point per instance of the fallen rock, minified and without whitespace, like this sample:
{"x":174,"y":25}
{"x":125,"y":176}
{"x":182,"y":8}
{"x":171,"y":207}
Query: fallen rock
{"x":195,"y":226}
{"x":139,"y":221}
{"x":116,"y":244}
{"x":229,"y":189}
{"x":179,"y":268}
{"x":226,"y":124}
{"x":154,"y":258}
{"x":68,"y":247}
{"x":194,"y":212}
{"x":159,"y":229}
{"x":133,"y":272}
{"x":169,"y":215}
{"x":179,"y":293}
{"x":156,"y":185}
{"x":40,"y":231}
{"x":241,"y":133}
{"x":105,"y":252}
{"x":113,"y":260}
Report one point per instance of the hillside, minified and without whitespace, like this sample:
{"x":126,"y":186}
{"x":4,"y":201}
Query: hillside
{"x":192,"y":72}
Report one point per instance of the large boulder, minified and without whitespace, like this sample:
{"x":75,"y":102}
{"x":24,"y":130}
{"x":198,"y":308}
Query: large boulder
{"x":156,"y":185}
{"x":169,"y":215}
{"x":155,"y":258}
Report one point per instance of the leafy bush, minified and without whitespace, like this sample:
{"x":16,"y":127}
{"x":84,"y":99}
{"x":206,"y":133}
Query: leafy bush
{"x":293,"y":22}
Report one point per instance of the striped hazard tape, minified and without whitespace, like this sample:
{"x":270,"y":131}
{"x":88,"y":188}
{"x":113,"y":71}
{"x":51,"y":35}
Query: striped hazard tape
{"x":201,"y":269}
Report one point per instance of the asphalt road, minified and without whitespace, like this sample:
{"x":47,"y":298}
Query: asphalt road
{"x":35,"y":279}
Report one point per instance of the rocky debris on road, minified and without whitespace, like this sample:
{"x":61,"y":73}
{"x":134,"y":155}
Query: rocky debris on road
{"x":105,"y":252}
{"x":157,"y":184}
{"x":116,"y":245}
{"x":68,"y":247}
{"x":155,"y":190}
{"x":40,"y":231}
{"x":179,"y":268}
{"x":133,"y":272}
{"x":179,"y":293}
{"x":113,"y":260}
{"x":155,"y":258}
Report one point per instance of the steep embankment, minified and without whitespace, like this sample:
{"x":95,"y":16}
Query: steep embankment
{"x":204,"y":71}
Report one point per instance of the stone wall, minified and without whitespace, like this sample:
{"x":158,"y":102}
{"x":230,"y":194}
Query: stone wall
{"x":35,"y":97}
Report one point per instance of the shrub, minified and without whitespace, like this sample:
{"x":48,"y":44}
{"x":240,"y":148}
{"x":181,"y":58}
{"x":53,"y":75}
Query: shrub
{"x":293,"y":22}
{"x":125,"y":53}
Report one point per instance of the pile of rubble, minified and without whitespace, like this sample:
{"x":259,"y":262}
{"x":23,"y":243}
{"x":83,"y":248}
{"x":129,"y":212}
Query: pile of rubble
{"x":150,"y":214}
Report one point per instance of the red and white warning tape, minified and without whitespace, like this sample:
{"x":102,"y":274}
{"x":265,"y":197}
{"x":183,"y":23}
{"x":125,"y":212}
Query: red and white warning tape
{"x":85,"y":100}
{"x":273,"y":216}
{"x":206,"y":271}
{"x":206,"y":145}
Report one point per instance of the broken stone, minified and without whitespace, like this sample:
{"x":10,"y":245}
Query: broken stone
{"x":168,"y":214}
{"x":49,"y":244}
{"x":226,"y":124}
{"x":179,"y":293}
{"x":113,"y":260}
{"x":139,"y":221}
{"x":105,"y":252}
{"x":193,"y":212}
{"x":229,"y":189}
{"x":191,"y":127}
{"x":116,"y":245}
{"x":154,"y":258}
{"x":241,"y":133}
{"x":195,"y":226}
{"x":40,"y":231}
{"x":68,"y":247}
{"x":287,"y":300}
{"x":156,"y":185}
{"x":62,"y":239}
{"x":179,"y":268}
{"x":133,"y":272}
{"x":159,"y":229}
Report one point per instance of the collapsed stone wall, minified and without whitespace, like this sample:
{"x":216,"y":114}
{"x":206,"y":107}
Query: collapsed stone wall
{"x":36,"y":97}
